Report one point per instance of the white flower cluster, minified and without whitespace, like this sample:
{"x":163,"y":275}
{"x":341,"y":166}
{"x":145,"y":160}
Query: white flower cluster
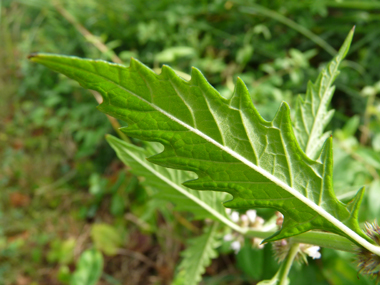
{"x":248,"y":219}
{"x":311,"y":250}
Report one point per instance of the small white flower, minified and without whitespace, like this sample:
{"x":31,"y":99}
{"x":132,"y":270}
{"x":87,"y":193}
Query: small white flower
{"x":259,"y":222}
{"x":228,"y":211}
{"x":251,"y":215}
{"x":256,"y":242}
{"x":244,"y":220}
{"x":236,"y":246}
{"x":227,"y":237}
{"x":235,"y":216}
{"x":313,"y":252}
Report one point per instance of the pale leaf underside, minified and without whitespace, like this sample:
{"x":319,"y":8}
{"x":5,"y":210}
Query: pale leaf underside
{"x":168,"y":182}
{"x":197,"y":257}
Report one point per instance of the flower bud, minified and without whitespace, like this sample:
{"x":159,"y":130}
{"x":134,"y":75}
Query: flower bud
{"x":368,"y":262}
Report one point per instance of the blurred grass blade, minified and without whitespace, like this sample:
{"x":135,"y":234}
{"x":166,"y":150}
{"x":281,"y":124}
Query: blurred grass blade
{"x":253,"y":9}
{"x":361,"y":5}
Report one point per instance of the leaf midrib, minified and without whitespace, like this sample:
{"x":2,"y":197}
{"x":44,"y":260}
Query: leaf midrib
{"x":209,"y":238}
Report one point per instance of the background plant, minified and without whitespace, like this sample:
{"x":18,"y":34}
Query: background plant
{"x":223,"y":41}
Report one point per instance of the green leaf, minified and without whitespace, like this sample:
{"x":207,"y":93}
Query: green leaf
{"x":106,"y":238}
{"x":224,"y":141}
{"x":274,"y":281}
{"x":62,"y":251}
{"x":311,"y":112}
{"x":250,"y":260}
{"x":89,"y":268}
{"x":373,"y":199}
{"x":197,"y":257}
{"x":168,"y":182}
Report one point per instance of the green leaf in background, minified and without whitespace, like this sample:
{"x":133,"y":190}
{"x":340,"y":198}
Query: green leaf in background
{"x":106,"y":238}
{"x":62,"y":251}
{"x":89,"y":268}
{"x":224,"y":141}
{"x":197,"y":257}
{"x":250,"y":260}
{"x":373,"y":199}
{"x":311,"y":112}
{"x":168,"y":182}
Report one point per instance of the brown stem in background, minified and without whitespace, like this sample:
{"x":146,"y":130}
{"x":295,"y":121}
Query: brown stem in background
{"x":86,"y":33}
{"x":101,"y":47}
{"x":115,"y":124}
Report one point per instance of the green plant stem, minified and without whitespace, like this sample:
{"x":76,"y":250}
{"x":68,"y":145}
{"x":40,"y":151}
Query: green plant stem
{"x":254,"y":9}
{"x":322,"y":239}
{"x":86,"y":33}
{"x":115,"y":124}
{"x":287,"y":264}
{"x":367,"y":119}
{"x":102,"y":48}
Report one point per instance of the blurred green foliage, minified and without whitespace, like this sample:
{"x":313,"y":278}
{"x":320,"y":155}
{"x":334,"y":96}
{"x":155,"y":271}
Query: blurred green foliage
{"x":60,"y":198}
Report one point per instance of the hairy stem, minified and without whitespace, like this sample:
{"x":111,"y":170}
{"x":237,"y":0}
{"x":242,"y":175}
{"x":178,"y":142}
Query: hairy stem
{"x":287,"y":264}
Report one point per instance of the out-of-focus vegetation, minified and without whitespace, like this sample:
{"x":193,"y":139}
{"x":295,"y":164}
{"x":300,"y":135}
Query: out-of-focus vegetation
{"x":64,"y":206}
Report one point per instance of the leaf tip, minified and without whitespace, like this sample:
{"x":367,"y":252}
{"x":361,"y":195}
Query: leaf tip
{"x":32,"y":55}
{"x":283,"y":115}
{"x":240,"y":84}
{"x":354,"y":205}
{"x":240,"y":95}
{"x":326,"y":153}
{"x":134,"y":63}
{"x":347,"y":43}
{"x":284,"y":107}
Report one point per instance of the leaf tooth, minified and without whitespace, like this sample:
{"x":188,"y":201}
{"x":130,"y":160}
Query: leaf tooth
{"x":138,"y":66}
{"x":200,"y":184}
{"x":159,"y":158}
{"x":134,"y":63}
{"x":329,"y":94}
{"x":326,"y":157}
{"x":354,"y":205}
{"x":167,"y":159}
{"x":328,"y":117}
{"x":241,"y":100}
{"x":300,"y":101}
{"x":282,"y":116}
{"x":240,"y":96}
{"x":198,"y":79}
{"x":167,"y":72}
